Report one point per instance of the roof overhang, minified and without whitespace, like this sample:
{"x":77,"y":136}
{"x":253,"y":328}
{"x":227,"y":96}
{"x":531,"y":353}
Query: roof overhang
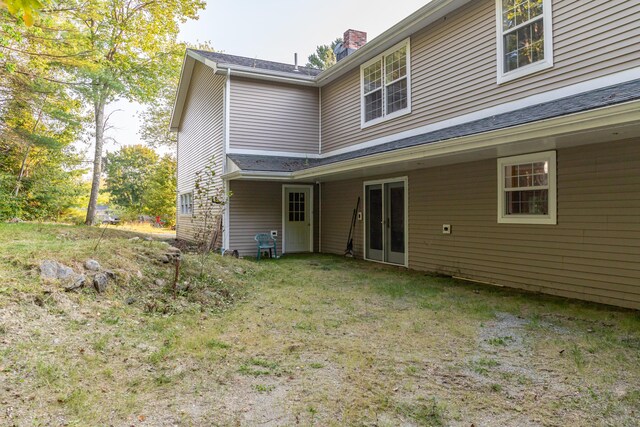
{"x":188,"y":64}
{"x":615,"y":122}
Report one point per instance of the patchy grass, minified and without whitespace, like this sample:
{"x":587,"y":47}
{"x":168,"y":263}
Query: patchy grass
{"x":309,"y":340}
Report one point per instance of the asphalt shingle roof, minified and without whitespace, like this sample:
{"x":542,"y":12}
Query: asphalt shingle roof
{"x":599,"y":98}
{"x":223,"y":58}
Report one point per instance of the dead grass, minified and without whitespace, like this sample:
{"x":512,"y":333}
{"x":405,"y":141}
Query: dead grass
{"x":314,"y":340}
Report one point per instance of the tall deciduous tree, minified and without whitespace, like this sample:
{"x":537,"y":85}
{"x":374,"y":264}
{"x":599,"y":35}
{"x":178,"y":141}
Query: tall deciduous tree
{"x":160,"y":196}
{"x":125,"y":46}
{"x":323,"y":57}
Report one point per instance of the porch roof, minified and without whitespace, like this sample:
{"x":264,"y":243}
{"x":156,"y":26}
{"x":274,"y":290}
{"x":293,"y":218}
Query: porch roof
{"x":587,"y":101}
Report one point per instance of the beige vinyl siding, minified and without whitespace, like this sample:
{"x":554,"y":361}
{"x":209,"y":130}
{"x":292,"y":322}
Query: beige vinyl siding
{"x":453,"y":66}
{"x":591,"y":254}
{"x":200,"y":138}
{"x":273,"y":117}
{"x":256,"y":207}
{"x":339,"y":199}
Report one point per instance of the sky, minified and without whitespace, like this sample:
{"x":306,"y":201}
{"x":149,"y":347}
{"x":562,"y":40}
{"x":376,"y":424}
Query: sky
{"x":273,"y":30}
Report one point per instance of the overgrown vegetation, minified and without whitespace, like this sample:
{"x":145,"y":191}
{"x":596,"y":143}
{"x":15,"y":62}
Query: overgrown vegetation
{"x":309,"y":340}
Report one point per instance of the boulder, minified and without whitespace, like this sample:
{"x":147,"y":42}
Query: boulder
{"x":78,"y":283}
{"x":163,"y":259}
{"x":100,"y":282}
{"x":49,"y":269}
{"x":92,"y":265}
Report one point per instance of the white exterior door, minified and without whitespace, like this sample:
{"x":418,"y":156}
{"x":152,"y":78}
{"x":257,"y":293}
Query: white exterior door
{"x":298,"y":221}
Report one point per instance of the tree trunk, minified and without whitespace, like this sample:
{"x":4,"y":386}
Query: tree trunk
{"x":99,"y":106}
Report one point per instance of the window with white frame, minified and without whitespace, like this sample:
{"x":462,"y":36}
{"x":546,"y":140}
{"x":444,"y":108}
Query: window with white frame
{"x":385,"y":85}
{"x":525,"y":42}
{"x":527,"y":189}
{"x":186,"y":204}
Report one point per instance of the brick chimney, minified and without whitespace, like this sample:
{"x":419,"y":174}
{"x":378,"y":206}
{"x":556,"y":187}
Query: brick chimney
{"x":354,"y":39}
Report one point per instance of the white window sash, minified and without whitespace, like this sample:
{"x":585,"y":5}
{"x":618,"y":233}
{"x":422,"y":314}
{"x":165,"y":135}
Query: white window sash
{"x":547,"y":62}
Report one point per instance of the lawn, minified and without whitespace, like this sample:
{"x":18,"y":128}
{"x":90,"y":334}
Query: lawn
{"x":308,"y":340}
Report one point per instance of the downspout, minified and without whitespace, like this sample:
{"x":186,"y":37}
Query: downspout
{"x":320,"y":121}
{"x":319,"y":216}
{"x":225,"y":149}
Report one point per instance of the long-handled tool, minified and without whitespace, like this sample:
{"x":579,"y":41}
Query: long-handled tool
{"x":349,"y":251}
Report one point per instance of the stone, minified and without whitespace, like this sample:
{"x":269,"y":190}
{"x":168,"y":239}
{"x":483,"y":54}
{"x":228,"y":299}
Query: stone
{"x":149,"y":239}
{"x":77,"y":283}
{"x":49,"y":269}
{"x":65,"y":273}
{"x":92,"y":265}
{"x":159,"y":282}
{"x":173,"y":249}
{"x":100,"y":282}
{"x":133,"y":239}
{"x":163,"y":258}
{"x":130,"y":301}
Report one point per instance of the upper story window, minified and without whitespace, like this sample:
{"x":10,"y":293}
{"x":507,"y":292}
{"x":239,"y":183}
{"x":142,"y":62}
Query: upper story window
{"x":385,"y":85}
{"x":525,"y":43}
{"x":527,"y":189}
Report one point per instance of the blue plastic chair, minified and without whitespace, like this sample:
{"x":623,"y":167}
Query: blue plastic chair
{"x":266,"y":241}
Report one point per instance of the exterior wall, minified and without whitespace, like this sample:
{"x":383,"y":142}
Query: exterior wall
{"x":200,"y":138}
{"x":591,"y":254}
{"x":256,"y":207}
{"x":273,"y":117}
{"x":453,"y":66}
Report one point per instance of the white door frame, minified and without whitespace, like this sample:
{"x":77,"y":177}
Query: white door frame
{"x":284,"y":211}
{"x":405,"y":180}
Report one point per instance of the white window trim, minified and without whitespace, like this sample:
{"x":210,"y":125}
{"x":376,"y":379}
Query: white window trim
{"x":395,"y":114}
{"x":551,"y":217}
{"x":546,"y":63}
{"x":182,"y":205}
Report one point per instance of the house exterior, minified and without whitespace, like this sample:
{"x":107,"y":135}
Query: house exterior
{"x":492,"y":140}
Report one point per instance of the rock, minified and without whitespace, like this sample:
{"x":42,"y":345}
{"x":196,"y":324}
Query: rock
{"x":133,"y":239}
{"x":173,"y":249}
{"x":159,"y":282}
{"x":49,"y":269}
{"x":130,"y":300}
{"x":163,"y":258}
{"x":139,"y":274}
{"x":110,"y":274}
{"x":65,"y":273}
{"x":100,"y":282}
{"x":92,"y":265}
{"x":149,"y":239}
{"x":78,"y":282}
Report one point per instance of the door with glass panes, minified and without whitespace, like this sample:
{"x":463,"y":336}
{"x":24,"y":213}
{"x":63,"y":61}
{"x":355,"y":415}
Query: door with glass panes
{"x":385,"y":221}
{"x":297,"y":219}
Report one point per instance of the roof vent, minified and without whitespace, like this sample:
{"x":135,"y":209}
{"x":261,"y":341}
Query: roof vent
{"x":352,"y":41}
{"x":295,"y":61}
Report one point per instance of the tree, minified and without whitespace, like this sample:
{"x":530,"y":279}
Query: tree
{"x":160,"y":196}
{"x":324,"y":57}
{"x":39,"y":121}
{"x":123,"y":47}
{"x":129,"y":172}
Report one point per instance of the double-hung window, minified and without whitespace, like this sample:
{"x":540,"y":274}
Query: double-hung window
{"x":386,"y":85}
{"x":525,"y":43}
{"x":527,"y":189}
{"x":186,"y":204}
